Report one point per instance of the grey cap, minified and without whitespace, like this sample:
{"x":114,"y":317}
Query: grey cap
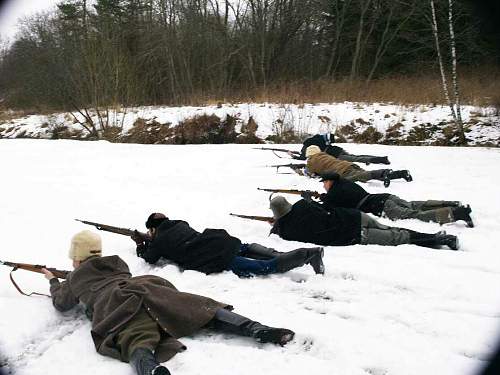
{"x":280,"y":207}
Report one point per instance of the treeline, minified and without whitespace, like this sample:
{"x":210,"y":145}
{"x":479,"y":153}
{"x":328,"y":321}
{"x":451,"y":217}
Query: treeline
{"x":133,"y":52}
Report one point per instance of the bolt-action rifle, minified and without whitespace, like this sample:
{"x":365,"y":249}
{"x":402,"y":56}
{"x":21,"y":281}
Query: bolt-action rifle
{"x":32,"y":268}
{"x":268,"y":219}
{"x":274,"y":150}
{"x":294,"y":166}
{"x":294,"y":191}
{"x":117,"y":230}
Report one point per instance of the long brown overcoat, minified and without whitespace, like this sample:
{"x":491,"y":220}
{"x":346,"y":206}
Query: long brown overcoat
{"x":322,"y":163}
{"x":112,"y":297}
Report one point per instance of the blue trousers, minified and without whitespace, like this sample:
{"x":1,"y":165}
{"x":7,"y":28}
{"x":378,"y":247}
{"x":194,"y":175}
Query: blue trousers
{"x":246,"y":267}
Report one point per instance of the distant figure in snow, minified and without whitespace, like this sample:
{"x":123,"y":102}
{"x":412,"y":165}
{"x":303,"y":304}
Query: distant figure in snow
{"x":325,"y":144}
{"x":307,"y":222}
{"x":215,"y":250}
{"x":347,"y":194}
{"x":140,"y":319}
{"x":319,"y":163}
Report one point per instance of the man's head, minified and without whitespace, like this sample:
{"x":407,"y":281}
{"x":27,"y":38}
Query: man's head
{"x":280,"y":207}
{"x":84,"y":244}
{"x":312,"y":150}
{"x":329,"y":179}
{"x":154,"y":221}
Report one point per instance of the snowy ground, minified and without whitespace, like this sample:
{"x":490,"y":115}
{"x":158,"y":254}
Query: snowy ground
{"x":378,"y":310}
{"x":304,"y":119}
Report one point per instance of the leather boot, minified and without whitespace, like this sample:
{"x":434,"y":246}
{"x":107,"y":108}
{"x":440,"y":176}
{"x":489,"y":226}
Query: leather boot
{"x":401,"y":174}
{"x":299,"y":257}
{"x":230,"y":322}
{"x":257,"y":251}
{"x":144,"y":363}
{"x":381,"y":175}
{"x":434,"y":240}
{"x":463,"y":213}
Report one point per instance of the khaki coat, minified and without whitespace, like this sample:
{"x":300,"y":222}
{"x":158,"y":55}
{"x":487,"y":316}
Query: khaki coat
{"x":112,"y":297}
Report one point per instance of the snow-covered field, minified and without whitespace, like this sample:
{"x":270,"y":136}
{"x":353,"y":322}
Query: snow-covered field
{"x":484,"y":122}
{"x":377,"y":311}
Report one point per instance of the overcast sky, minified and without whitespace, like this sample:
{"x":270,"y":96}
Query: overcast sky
{"x":12,"y":10}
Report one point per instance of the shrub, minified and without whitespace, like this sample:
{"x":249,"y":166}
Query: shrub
{"x":369,"y":135}
{"x":205,"y":129}
{"x":148,"y":133}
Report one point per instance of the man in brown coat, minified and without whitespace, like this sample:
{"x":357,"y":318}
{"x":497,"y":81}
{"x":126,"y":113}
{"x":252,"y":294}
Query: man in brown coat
{"x":140,"y":319}
{"x":319,"y":163}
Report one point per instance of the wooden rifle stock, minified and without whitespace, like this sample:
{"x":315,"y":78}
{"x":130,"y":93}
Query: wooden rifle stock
{"x":32,"y":268}
{"x":117,"y":230}
{"x":278,"y":149}
{"x":293,"y":191}
{"x":268,"y":219}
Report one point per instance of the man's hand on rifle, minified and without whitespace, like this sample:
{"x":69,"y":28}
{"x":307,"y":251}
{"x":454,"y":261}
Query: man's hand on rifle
{"x":307,"y":195}
{"x":138,"y":238}
{"x":48,"y":275}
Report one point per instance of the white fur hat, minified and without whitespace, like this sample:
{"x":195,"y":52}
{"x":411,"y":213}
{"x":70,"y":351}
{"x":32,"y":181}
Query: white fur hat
{"x":85,"y":244}
{"x":312,"y":150}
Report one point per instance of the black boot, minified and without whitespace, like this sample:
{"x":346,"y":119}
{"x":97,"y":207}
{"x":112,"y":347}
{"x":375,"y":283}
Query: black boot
{"x":257,"y":251}
{"x":401,"y":174}
{"x":381,"y":175}
{"x":380,"y":160}
{"x":434,"y":240}
{"x":230,"y":322}
{"x":463,"y":213}
{"x":144,"y":363}
{"x":299,"y":257}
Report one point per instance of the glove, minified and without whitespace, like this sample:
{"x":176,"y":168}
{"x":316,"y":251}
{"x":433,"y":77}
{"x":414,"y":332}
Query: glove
{"x":137,"y":237}
{"x":307,"y":195}
{"x":141,"y":250}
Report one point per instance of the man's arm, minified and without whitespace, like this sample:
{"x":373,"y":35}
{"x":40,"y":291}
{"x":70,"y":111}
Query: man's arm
{"x":63,"y":298}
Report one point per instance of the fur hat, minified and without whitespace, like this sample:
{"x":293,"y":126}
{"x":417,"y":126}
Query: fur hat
{"x":312,"y":150}
{"x":85,"y":244}
{"x":155,"y":219}
{"x":280,"y":207}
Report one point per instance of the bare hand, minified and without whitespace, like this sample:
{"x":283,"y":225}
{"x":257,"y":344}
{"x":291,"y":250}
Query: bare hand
{"x":48,"y":275}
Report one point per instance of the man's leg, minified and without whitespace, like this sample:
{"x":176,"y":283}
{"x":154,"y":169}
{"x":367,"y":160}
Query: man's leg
{"x":137,"y":341}
{"x":257,"y":251}
{"x":396,"y":208}
{"x":230,"y":322}
{"x":373,"y":232}
{"x":433,"y":204}
{"x":367,"y":159}
{"x":243,"y":266}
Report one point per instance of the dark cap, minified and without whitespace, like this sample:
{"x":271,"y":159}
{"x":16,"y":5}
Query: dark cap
{"x":330,"y":176}
{"x":155,"y":219}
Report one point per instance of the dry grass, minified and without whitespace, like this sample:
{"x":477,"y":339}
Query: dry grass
{"x":479,"y":87}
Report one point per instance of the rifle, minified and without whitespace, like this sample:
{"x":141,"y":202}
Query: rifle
{"x":291,"y":165}
{"x":117,"y":230}
{"x":258,"y":218}
{"x":296,"y":153}
{"x":293,"y":191}
{"x":32,"y":268}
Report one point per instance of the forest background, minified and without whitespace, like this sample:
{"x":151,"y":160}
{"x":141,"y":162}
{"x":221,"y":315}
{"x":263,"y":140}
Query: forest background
{"x":176,"y":52}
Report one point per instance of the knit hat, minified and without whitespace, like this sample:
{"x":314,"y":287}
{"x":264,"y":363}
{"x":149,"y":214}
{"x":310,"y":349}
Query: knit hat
{"x":155,"y":219}
{"x":280,"y":207}
{"x":85,"y":244}
{"x":329,"y":176}
{"x":312,"y":150}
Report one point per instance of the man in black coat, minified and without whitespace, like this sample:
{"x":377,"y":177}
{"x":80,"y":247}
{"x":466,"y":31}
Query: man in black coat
{"x":347,"y":194}
{"x":308,"y":222}
{"x":215,"y":250}
{"x":325,"y":143}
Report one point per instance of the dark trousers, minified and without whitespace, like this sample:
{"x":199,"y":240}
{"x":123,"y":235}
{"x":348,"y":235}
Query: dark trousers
{"x":245,"y":265}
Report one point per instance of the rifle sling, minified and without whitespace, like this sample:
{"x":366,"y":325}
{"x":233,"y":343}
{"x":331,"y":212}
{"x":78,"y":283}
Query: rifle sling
{"x":19,"y":289}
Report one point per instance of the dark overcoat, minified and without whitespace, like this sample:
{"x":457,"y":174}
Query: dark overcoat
{"x":209,"y":252}
{"x":348,"y":194}
{"x":112,"y":297}
{"x":307,"y":222}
